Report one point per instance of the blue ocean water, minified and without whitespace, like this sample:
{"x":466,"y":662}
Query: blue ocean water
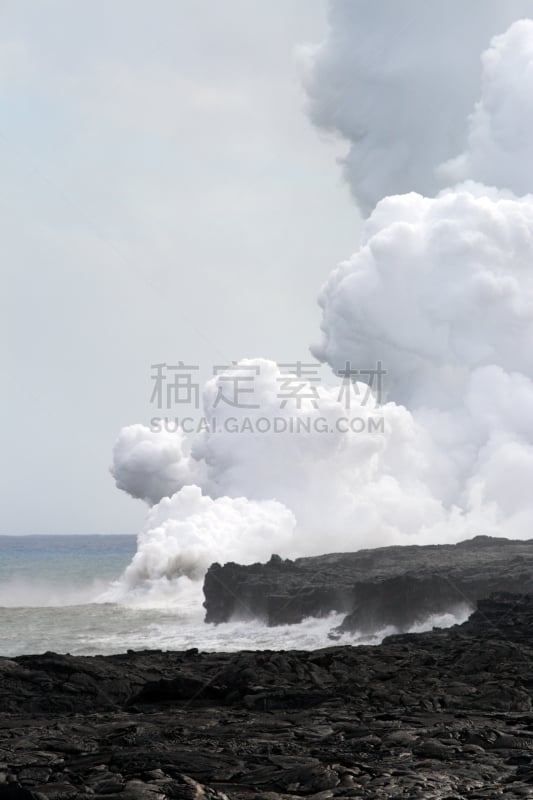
{"x":52,"y":597}
{"x":44,"y":568}
{"x":48,"y":585}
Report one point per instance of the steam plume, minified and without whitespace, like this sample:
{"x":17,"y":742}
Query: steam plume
{"x":398,"y":82}
{"x":440,"y":291}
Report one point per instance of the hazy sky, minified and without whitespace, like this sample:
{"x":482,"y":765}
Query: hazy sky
{"x":163,"y":197}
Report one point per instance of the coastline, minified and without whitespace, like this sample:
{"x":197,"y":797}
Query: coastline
{"x":434,"y":715}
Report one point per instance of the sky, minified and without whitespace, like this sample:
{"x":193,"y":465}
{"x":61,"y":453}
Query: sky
{"x":164,"y":197}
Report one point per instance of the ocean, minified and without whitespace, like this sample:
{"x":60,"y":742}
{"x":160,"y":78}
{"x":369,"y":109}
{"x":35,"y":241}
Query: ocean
{"x":53,"y":598}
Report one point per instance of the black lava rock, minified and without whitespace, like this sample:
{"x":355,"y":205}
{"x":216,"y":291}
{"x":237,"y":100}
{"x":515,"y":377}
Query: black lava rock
{"x":444,"y":714}
{"x":397,"y":586}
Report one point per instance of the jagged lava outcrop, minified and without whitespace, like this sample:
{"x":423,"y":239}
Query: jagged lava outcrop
{"x":398,"y":586}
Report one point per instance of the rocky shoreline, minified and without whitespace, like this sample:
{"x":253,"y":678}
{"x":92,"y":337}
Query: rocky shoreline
{"x":387,"y":586}
{"x":445,"y":714}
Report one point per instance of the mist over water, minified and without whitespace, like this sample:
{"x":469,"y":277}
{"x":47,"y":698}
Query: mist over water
{"x":55,"y":571}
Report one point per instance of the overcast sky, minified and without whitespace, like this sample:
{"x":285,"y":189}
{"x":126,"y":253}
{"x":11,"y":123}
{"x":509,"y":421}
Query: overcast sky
{"x":163,"y":197}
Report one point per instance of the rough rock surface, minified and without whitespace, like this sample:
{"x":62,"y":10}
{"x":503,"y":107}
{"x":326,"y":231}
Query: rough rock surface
{"x":397,"y":586}
{"x":446,"y":715}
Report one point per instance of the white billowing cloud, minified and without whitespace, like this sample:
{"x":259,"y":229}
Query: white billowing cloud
{"x":500,"y":142}
{"x":431,"y":475}
{"x":186,"y":533}
{"x":150,"y":465}
{"x":327,"y":464}
{"x":425,"y":476}
{"x":438,"y":288}
{"x":357,"y":475}
{"x":499,"y":406}
{"x":397,"y":81}
{"x":440,"y":292}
